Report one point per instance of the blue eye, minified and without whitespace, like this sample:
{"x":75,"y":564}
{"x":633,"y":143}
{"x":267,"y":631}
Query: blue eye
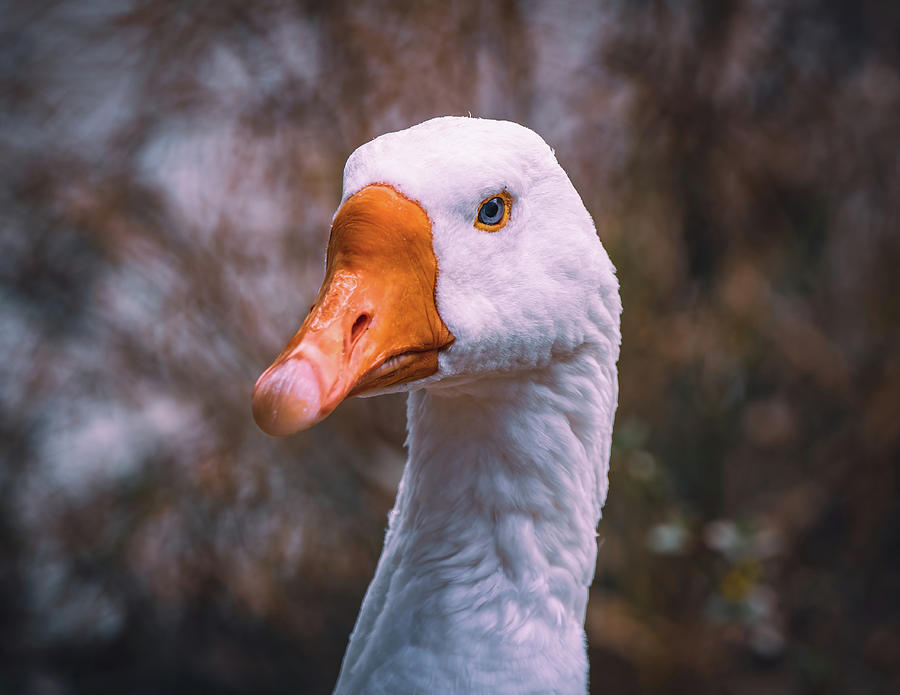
{"x":491,"y":211}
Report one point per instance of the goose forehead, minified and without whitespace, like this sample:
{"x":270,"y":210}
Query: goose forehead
{"x":449,"y":159}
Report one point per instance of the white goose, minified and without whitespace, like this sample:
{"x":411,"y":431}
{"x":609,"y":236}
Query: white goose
{"x":463,"y":267}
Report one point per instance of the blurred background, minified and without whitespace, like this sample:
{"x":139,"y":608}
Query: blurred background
{"x":169,"y":171}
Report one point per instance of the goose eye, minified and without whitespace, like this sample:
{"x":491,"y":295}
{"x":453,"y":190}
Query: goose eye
{"x":493,"y":212}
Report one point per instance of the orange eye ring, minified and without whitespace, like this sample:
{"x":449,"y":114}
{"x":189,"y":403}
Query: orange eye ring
{"x":493,"y":212}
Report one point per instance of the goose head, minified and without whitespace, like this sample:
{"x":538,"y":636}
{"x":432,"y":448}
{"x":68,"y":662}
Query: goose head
{"x":460,"y":250}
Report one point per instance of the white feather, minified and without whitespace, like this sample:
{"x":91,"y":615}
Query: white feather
{"x":483,"y":582}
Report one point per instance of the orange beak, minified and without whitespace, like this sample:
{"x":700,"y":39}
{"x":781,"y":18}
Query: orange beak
{"x":375,"y":322}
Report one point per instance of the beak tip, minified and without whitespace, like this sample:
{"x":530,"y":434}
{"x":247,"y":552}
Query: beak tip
{"x":287,"y":398}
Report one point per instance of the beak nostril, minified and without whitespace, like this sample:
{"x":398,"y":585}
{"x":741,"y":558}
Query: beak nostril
{"x":359,"y":327}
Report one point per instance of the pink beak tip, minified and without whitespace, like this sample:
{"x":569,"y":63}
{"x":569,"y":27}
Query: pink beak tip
{"x":287,"y":398}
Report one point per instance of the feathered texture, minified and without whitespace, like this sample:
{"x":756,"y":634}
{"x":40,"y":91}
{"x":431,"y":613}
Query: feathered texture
{"x":483,"y":582}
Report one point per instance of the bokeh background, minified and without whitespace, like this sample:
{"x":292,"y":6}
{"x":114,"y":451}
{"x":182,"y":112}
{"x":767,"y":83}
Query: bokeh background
{"x":168,"y":171}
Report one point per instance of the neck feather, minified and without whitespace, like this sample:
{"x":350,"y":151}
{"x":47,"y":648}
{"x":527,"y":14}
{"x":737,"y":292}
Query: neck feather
{"x":483,"y":582}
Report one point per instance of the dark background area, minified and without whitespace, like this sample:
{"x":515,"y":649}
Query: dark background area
{"x":169,"y":171}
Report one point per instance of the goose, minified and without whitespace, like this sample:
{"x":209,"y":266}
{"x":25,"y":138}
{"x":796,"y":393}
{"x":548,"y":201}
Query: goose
{"x":463,"y":268}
